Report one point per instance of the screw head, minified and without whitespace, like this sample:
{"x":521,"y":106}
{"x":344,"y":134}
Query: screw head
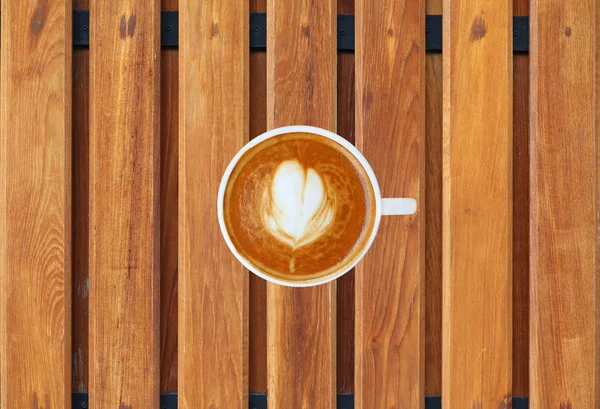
{"x":343,"y":32}
{"x":427,"y":29}
{"x":516,"y":33}
{"x":169,"y":28}
{"x":83,"y":405}
{"x":84,"y":28}
{"x":256,"y":29}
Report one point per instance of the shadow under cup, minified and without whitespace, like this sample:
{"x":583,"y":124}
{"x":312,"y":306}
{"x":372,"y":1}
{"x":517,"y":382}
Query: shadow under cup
{"x":297,"y":207}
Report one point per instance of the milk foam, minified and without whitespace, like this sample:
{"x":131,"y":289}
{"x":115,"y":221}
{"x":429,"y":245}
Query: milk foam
{"x":296,"y":207}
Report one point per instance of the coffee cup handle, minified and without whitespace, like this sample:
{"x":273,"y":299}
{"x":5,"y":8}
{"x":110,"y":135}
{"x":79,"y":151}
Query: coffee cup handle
{"x":398,"y":206}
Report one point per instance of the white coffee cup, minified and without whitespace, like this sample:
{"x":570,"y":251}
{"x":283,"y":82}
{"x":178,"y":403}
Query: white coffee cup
{"x":383,"y":206}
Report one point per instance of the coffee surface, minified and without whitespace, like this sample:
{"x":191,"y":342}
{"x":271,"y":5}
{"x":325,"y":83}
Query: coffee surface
{"x":299,"y":206}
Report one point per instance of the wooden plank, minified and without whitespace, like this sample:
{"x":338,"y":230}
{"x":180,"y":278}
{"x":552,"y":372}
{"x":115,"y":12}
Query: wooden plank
{"x":35,"y":205}
{"x":433,"y":217}
{"x":80,"y":212}
{"x":169,"y":191}
{"x":477,"y":209}
{"x":345,"y":284}
{"x":390,"y":131}
{"x":258,"y":287}
{"x":520,"y":215}
{"x":301,"y":321}
{"x":565,"y":280}
{"x":124,"y":200}
{"x":213,"y":296}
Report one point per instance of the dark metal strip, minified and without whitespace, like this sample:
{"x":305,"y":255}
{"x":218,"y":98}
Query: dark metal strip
{"x":167,"y":401}
{"x":259,"y":401}
{"x":521,"y":34}
{"x":344,"y":401}
{"x":169,"y":28}
{"x":80,"y":400}
{"x":433,"y":33}
{"x":345,"y":32}
{"x":433,"y":402}
{"x":520,"y":403}
{"x":81,"y":28}
{"x":258,"y":31}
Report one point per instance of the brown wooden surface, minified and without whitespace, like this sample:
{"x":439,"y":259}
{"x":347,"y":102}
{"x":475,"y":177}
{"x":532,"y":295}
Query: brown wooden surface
{"x":80,"y":213}
{"x":477,"y":207}
{"x":258,"y":286}
{"x":520,"y":215}
{"x":390,"y":131}
{"x":169,"y":167}
{"x":124,"y":204}
{"x":301,"y":80}
{"x":345,"y":284}
{"x":565,"y":292}
{"x":433,"y":217}
{"x":213,"y":291}
{"x":35,"y":205}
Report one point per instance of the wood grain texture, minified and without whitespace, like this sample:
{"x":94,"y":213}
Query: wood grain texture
{"x":213,"y":120}
{"x":390,"y":131}
{"x":477,"y":207}
{"x":433,"y":216}
{"x":124,"y":204}
{"x":169,"y":190}
{"x":80,"y":213}
{"x":521,"y":215}
{"x":35,"y":205}
{"x":345,"y":284}
{"x":258,"y":287}
{"x":565,"y":292}
{"x":301,"y":79}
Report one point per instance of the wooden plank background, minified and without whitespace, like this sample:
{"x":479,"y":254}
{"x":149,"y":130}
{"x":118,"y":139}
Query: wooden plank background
{"x":213,"y":119}
{"x":35,"y":205}
{"x":124,"y":204}
{"x":390,"y":132}
{"x":565,"y":292}
{"x":477,"y":204}
{"x":345,"y":291}
{"x":301,"y":89}
{"x":433,"y":200}
{"x":257,"y":324}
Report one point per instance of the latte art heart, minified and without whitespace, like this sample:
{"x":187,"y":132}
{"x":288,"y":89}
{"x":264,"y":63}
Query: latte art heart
{"x":296,"y":207}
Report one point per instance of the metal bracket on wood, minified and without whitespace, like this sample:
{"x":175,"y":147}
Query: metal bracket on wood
{"x":81,"y":28}
{"x":433,"y":33}
{"x":169,"y":29}
{"x":259,"y":401}
{"x":258,"y":31}
{"x":521,"y":34}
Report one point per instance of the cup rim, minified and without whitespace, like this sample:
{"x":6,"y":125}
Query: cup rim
{"x":285,"y":130}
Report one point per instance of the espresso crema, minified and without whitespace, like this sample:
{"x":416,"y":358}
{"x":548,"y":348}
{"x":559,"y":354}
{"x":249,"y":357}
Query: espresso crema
{"x":299,"y":206}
